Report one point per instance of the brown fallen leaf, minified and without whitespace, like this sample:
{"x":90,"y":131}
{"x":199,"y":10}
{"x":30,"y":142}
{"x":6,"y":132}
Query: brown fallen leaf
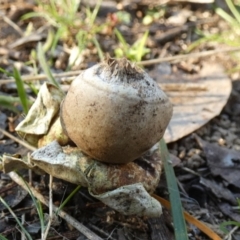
{"x":197,"y":98}
{"x":218,"y":190}
{"x":16,"y":195}
{"x":222,"y":162}
{"x":227,"y":209}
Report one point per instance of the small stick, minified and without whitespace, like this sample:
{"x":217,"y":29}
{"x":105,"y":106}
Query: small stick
{"x":50,"y":208}
{"x":30,"y":170}
{"x":229,"y":235}
{"x":26,"y":145}
{"x":12,"y":24}
{"x":23,"y":236}
{"x":186,"y":56}
{"x":38,"y":77}
{"x":80,"y":227}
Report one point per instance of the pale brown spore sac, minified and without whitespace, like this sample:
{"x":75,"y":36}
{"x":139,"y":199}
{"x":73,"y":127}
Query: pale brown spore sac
{"x":115,"y":112}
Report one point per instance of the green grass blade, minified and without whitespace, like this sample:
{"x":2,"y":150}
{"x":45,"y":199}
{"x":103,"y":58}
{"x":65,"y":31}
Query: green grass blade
{"x":37,"y":204}
{"x":68,"y":198}
{"x":121,"y":40}
{"x":16,"y":218}
{"x":43,"y":62}
{"x":179,"y":223}
{"x":228,"y":223}
{"x":226,"y":16}
{"x":50,"y":39}
{"x":141,"y":52}
{"x":99,"y":50}
{"x":9,"y":102}
{"x":21,"y":90}
{"x":94,"y":13}
{"x":234,"y":10}
{"x":2,"y":237}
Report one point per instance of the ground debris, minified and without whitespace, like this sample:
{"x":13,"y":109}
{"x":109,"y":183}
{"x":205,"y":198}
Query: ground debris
{"x":222,"y":161}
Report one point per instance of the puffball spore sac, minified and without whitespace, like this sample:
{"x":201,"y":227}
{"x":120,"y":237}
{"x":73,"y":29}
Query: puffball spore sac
{"x":114,"y":111}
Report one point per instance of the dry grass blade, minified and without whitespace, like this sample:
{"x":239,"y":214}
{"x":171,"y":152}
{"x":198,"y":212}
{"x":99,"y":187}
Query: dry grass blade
{"x":187,"y":56}
{"x":23,"y":143}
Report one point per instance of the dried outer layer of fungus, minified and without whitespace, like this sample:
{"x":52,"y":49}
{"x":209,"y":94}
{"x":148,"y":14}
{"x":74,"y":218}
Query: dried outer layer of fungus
{"x":123,"y":187}
{"x":115,"y":112}
{"x":72,"y":165}
{"x":42,"y":125}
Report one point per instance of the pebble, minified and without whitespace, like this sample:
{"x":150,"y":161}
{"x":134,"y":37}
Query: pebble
{"x":182,"y":154}
{"x":193,"y":151}
{"x":195,"y":161}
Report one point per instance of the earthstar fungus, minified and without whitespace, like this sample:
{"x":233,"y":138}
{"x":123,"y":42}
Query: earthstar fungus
{"x":114,"y":111}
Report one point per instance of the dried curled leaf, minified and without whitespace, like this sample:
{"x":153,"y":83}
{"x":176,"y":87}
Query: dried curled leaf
{"x":123,"y":187}
{"x":38,"y":120}
{"x":55,"y":132}
{"x":72,"y":165}
{"x":131,"y":200}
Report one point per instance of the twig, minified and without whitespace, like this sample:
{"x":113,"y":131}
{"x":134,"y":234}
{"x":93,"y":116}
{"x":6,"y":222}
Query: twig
{"x":229,"y":235}
{"x":80,"y":227}
{"x":191,"y":171}
{"x":102,"y":232}
{"x":38,"y":77}
{"x":12,"y":24}
{"x":50,"y":208}
{"x":23,"y":236}
{"x":26,"y":145}
{"x":186,"y":56}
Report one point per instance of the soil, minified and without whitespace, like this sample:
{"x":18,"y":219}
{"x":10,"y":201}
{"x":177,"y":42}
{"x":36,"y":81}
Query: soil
{"x":206,"y":162}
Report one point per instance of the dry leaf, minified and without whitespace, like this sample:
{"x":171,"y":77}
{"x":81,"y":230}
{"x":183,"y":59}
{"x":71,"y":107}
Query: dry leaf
{"x":219,"y":190}
{"x":114,"y":185}
{"x":131,"y":200}
{"x":222,"y":161}
{"x":40,"y":115}
{"x":196,"y":98}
